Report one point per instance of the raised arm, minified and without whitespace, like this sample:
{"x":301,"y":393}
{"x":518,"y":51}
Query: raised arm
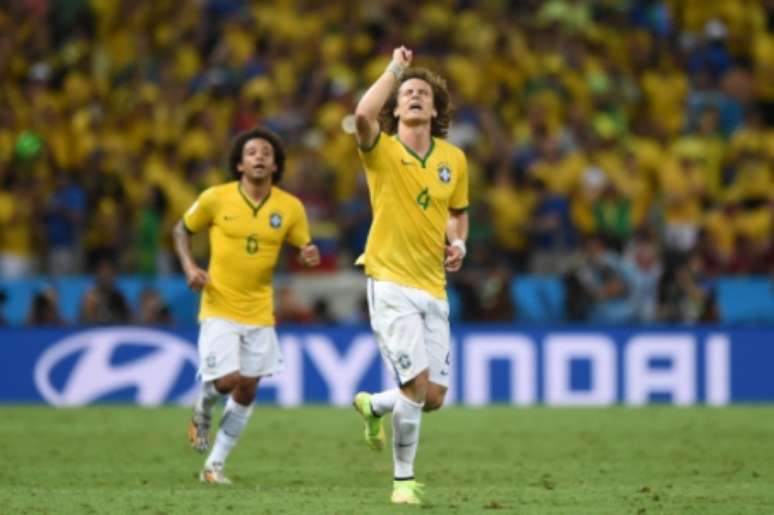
{"x":369,"y":107}
{"x":194,"y":275}
{"x":457,"y":233}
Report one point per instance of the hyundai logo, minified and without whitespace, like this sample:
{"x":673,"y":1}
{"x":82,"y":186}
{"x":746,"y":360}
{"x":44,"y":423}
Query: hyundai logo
{"x":153,"y":375}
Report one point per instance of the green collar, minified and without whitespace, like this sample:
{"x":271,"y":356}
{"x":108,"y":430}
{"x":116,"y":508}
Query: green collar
{"x":255,"y":207}
{"x":422,"y":161}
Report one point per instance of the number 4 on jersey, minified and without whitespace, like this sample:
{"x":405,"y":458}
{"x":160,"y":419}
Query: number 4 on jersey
{"x":423,"y":199}
{"x":251,"y":245}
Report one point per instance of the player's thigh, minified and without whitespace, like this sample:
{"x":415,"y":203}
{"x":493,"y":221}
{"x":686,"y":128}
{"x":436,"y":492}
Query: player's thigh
{"x":218,"y":346}
{"x":438,"y":341}
{"x":398,"y":327}
{"x":259,"y":352}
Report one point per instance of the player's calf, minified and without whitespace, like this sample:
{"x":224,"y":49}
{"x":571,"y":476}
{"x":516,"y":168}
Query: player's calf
{"x":199,"y":431}
{"x":199,"y":427}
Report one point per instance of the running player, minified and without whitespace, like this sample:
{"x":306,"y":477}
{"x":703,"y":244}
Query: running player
{"x":248,"y":220}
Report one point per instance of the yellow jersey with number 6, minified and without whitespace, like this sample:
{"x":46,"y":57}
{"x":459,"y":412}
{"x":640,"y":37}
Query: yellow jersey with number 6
{"x":245,"y":241}
{"x":411,"y":197}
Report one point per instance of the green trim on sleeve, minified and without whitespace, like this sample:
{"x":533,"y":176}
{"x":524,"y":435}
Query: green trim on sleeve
{"x":459,"y":209}
{"x":368,"y":148}
{"x":187,"y":229}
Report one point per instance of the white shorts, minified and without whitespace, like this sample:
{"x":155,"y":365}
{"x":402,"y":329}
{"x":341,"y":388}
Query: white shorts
{"x":226,"y":346}
{"x":412,"y":330}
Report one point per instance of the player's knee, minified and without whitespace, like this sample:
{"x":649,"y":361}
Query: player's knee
{"x":226,"y":383}
{"x":244,"y":392}
{"x":416,"y":389}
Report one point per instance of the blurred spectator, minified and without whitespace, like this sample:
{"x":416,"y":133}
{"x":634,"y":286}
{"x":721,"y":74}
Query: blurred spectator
{"x":104,"y":303}
{"x":45,"y":309}
{"x":643,"y":269}
{"x":484,"y":288}
{"x":64,"y":214}
{"x":355,"y":221}
{"x":322,"y":312}
{"x":510,"y":208}
{"x":711,"y":54}
{"x":599,"y":290}
{"x":613,"y":216}
{"x":17,"y":227}
{"x":683,"y":183}
{"x":686,"y":295}
{"x":552,"y":232}
{"x":149,"y":231}
{"x":290,"y":309}
{"x":153,"y":310}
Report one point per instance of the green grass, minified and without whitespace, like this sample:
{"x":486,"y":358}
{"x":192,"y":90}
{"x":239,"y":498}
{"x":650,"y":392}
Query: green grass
{"x":311,"y":460}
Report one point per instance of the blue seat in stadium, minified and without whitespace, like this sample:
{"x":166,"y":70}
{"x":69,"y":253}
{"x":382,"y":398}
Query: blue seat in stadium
{"x":182,"y":302}
{"x":71,"y":290}
{"x":538,"y":299}
{"x":743,"y":300}
{"x":455,"y":305}
{"x":19,"y":294}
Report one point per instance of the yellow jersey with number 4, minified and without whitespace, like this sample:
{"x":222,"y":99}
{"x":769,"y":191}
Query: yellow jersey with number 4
{"x":411,"y":197}
{"x":245,"y":241}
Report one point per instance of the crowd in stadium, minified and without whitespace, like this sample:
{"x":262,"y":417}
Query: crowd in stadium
{"x":624,"y":145}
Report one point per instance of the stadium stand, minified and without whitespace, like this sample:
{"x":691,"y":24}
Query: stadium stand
{"x":608,"y":118}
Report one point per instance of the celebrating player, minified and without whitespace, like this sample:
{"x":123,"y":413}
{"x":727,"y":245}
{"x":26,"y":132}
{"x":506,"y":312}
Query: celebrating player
{"x":248,"y":220}
{"x":419,"y":192}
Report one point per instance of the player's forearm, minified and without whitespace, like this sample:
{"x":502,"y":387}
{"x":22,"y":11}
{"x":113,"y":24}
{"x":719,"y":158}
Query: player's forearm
{"x":369,"y":107}
{"x":182,"y":242}
{"x":457,"y":226}
{"x":373,"y":100}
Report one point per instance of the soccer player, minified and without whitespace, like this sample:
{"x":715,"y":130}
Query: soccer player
{"x":248,"y":221}
{"x":418,"y":185}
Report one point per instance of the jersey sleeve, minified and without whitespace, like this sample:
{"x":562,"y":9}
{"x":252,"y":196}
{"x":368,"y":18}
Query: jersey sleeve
{"x":201,"y":212}
{"x":298,"y":233}
{"x":459,"y":197}
{"x":377,"y":152}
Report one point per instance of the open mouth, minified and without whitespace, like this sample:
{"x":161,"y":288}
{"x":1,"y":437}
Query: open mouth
{"x":415,"y":107}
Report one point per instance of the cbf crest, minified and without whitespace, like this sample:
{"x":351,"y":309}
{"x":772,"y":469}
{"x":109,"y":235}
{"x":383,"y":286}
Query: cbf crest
{"x":444,"y":173}
{"x":275,"y":220}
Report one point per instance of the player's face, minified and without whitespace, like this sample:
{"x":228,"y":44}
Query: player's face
{"x":415,"y":102}
{"x":257,"y":159}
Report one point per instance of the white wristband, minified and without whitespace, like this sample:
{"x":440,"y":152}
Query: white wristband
{"x":460,"y":244}
{"x":396,"y":69}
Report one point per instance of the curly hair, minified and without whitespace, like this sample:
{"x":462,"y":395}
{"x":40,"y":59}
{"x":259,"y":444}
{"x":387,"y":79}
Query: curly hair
{"x":238,"y":146}
{"x":439,"y":125}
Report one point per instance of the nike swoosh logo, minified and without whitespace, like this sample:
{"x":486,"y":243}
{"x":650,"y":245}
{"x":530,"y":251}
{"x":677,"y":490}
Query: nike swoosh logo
{"x":406,"y":162}
{"x":406,"y":444}
{"x":229,"y":217}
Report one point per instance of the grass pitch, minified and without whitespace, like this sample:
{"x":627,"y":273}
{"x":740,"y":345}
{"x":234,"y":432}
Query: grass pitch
{"x":312,"y":460}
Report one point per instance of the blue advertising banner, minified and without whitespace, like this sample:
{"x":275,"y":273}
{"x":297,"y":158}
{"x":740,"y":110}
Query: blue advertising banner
{"x":507,"y":364}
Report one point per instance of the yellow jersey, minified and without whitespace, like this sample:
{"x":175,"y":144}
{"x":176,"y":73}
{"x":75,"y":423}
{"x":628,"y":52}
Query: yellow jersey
{"x":411,"y":197}
{"x":16,"y":225}
{"x":245,"y":241}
